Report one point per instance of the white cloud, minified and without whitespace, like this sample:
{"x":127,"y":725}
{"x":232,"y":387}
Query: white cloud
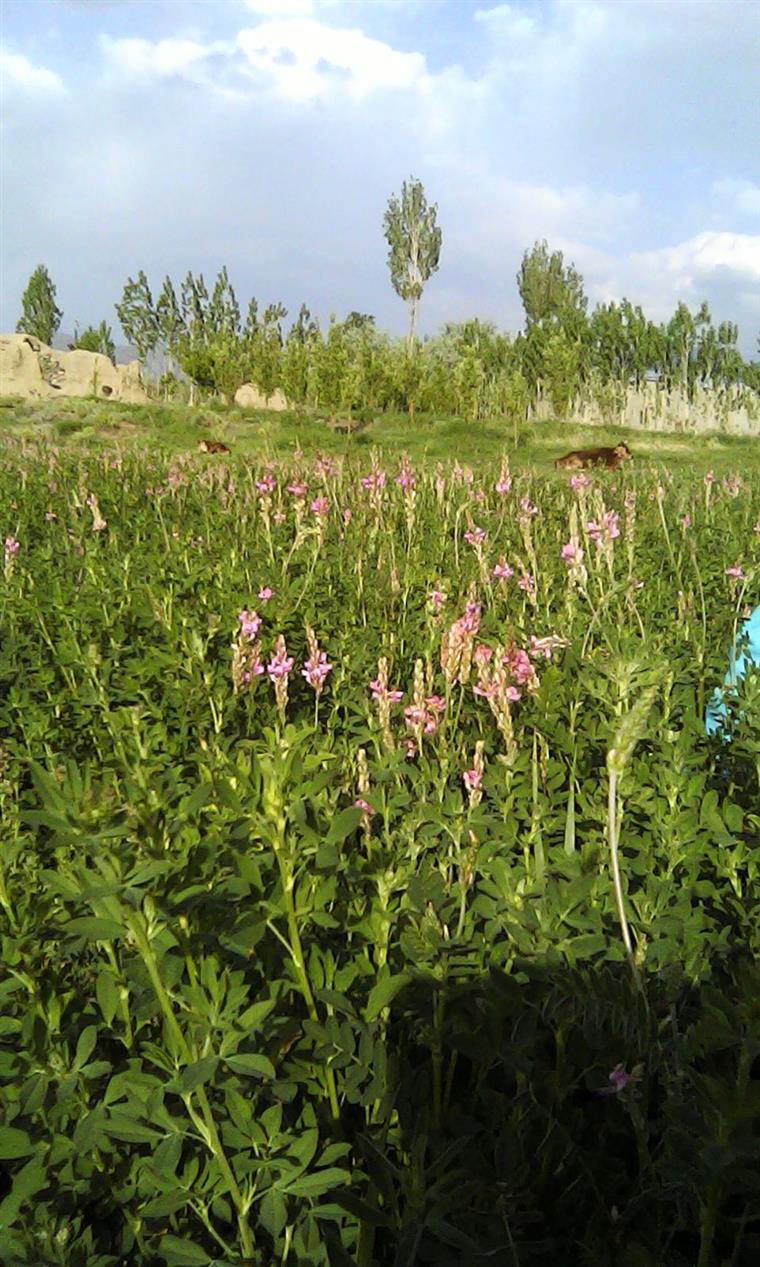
{"x":281,"y":8}
{"x":16,"y":71}
{"x":164,"y":58}
{"x":742,"y":195}
{"x":689,"y":263}
{"x":305,"y":59}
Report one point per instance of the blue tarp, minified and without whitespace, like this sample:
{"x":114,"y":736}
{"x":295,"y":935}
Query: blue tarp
{"x":745,"y":650}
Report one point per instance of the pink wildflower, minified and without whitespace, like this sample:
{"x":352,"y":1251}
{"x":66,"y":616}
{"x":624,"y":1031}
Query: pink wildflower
{"x":473,"y":780}
{"x":503,"y":484}
{"x":577,"y":482}
{"x":436,"y":598}
{"x":250,"y":623}
{"x":406,"y":478}
{"x":255,"y":668}
{"x":267,"y":484}
{"x":482,"y":654}
{"x":571,"y":553}
{"x":519,"y":665}
{"x":469,"y":623}
{"x":298,"y":490}
{"x":527,"y":583}
{"x":281,"y":663}
{"x":527,"y":508}
{"x":320,"y":507}
{"x":12,"y":547}
{"x":606,"y":530}
{"x":545,"y":647}
{"x":737,"y":572}
{"x":265,"y":594}
{"x":619,"y":1079}
{"x":475,"y":536}
{"x":364,"y":806}
{"x":502,"y":571}
{"x":316,"y":668}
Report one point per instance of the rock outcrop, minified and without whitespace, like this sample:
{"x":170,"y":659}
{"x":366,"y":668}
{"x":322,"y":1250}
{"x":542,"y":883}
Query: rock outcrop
{"x":32,"y":370}
{"x":250,"y":397}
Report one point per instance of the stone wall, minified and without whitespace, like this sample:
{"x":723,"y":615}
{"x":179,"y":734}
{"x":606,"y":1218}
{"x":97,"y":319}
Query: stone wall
{"x":653,"y":408}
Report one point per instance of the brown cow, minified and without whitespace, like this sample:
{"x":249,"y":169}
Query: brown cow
{"x":578,"y":458}
{"x":212,"y":446}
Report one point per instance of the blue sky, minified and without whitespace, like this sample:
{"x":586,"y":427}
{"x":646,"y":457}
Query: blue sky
{"x":267,"y":135}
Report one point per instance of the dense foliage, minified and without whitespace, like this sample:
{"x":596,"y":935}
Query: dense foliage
{"x":40,"y":315}
{"x":300,"y":972}
{"x":472,"y":369}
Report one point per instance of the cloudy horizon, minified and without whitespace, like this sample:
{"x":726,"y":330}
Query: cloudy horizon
{"x":268,"y":135}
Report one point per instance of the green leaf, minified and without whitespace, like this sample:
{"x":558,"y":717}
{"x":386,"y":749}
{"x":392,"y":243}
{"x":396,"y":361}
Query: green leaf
{"x":107,"y":994}
{"x":318,"y":1182}
{"x":253,"y":1015}
{"x":273,"y":1212}
{"x":94,"y":928}
{"x":14,"y":1143}
{"x":200,"y":1071}
{"x":343,"y":825}
{"x":85,"y":1046}
{"x":384,"y":993}
{"x":251,"y":1065}
{"x":31,"y":1179}
{"x":122,"y":1126}
{"x":179,"y":1252}
{"x":89,"y":1129}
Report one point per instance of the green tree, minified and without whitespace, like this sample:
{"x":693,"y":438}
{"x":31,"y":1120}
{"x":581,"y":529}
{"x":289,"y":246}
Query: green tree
{"x":96,"y":340}
{"x":414,"y":242}
{"x":40,"y":316}
{"x":551,"y":291}
{"x":137,"y":315}
{"x":168,"y":316}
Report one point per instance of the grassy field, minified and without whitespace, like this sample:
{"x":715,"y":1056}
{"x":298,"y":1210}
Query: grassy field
{"x":176,"y":429}
{"x":370,"y":892}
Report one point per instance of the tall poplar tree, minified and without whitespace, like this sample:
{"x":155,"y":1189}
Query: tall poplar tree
{"x":414,"y":241}
{"x":40,"y":316}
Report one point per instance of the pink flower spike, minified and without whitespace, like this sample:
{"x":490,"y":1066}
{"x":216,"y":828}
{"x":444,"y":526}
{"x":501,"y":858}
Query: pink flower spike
{"x":316,"y":669}
{"x":265,"y":594}
{"x":475,"y":536}
{"x":281,"y":663}
{"x":737,"y":571}
{"x":298,"y":490}
{"x":502,"y":571}
{"x":12,"y":547}
{"x":473,"y":780}
{"x":578,"y":482}
{"x":436,"y":598}
{"x":250,"y":623}
{"x":320,"y":507}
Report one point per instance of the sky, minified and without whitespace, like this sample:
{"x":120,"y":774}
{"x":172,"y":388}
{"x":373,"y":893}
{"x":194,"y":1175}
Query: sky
{"x":268,"y":135}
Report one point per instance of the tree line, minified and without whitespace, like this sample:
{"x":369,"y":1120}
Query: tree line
{"x":564,"y":353}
